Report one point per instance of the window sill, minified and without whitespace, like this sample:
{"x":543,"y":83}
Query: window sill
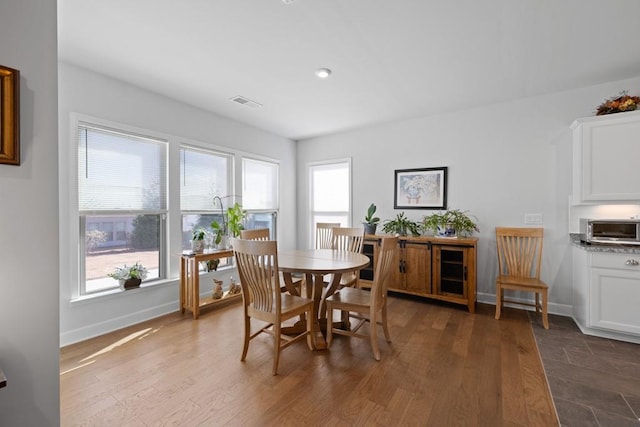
{"x":114,"y":293}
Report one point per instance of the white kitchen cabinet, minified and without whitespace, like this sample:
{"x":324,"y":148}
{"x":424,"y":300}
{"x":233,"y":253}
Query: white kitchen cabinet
{"x":606,"y":153}
{"x":606,"y":293}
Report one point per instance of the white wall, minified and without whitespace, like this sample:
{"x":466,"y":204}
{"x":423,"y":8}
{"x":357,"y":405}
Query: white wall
{"x":504,"y":160}
{"x":29,"y":222}
{"x":88,"y":93}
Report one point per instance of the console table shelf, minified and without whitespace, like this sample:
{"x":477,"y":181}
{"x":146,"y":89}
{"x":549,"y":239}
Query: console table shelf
{"x":190,"y":282}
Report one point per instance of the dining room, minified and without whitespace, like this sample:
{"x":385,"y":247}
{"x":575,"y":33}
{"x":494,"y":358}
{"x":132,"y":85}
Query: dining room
{"x":504,"y":98}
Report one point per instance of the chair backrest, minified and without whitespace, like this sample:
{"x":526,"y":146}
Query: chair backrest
{"x":519,"y":251}
{"x":348,"y":239}
{"x":324,"y":234}
{"x":384,"y":263}
{"x":257,"y":262}
{"x":255,"y":234}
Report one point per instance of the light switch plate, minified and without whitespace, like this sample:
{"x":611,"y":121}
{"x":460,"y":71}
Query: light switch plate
{"x":533,"y":218}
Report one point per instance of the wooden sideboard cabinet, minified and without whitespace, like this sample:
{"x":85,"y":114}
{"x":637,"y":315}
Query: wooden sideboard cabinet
{"x":428,"y":266}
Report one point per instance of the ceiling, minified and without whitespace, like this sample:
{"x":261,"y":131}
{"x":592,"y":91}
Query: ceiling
{"x":391,"y":60}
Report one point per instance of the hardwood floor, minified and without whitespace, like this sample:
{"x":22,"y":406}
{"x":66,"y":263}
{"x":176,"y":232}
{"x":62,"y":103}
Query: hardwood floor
{"x":444,"y":367}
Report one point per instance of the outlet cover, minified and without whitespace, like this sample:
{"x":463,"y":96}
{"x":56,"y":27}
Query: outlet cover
{"x":533,"y":218}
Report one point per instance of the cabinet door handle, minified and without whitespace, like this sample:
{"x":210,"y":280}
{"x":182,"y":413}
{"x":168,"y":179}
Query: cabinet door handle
{"x":631,"y":262}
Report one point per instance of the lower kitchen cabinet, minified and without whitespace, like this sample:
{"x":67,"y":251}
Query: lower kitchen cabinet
{"x":432,"y":267}
{"x":606,"y":292}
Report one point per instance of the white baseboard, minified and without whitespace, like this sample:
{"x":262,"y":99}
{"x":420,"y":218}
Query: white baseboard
{"x":552,"y":308}
{"x":101,"y":328}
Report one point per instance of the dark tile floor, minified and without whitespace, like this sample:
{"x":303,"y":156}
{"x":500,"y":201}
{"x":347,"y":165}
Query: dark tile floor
{"x":593,"y":381}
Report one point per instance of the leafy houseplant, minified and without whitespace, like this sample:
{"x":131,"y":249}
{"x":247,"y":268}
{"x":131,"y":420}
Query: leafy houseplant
{"x":129,"y":276}
{"x":198,"y":240}
{"x":231,"y":225}
{"x":235,"y":216}
{"x":401,"y":225}
{"x":450,"y":223}
{"x":371,"y":221}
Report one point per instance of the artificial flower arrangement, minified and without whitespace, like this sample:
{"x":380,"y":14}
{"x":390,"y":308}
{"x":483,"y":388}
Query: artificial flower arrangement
{"x":623,"y":102}
{"x":136,"y":271}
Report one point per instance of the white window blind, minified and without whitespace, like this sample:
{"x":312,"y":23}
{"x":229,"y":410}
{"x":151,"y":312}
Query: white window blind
{"x":260,"y":185}
{"x":203,"y":175}
{"x":120,"y":172}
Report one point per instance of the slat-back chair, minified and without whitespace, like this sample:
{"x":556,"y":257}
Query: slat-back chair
{"x":257,"y":262}
{"x":519,"y":258}
{"x":366,"y":306}
{"x":324,"y":234}
{"x":255,"y":234}
{"x":348,"y":239}
{"x":263,"y":234}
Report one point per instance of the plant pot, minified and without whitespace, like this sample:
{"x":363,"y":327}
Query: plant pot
{"x":370,"y":228}
{"x":446,"y":231}
{"x":197,"y":246}
{"x":130,"y":284}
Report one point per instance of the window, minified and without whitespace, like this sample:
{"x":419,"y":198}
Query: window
{"x":330,"y":194}
{"x":121,"y":203}
{"x":260,"y":194}
{"x":204,"y":174}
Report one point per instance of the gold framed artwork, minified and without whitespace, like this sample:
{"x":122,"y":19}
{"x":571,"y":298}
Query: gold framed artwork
{"x":9,"y":116}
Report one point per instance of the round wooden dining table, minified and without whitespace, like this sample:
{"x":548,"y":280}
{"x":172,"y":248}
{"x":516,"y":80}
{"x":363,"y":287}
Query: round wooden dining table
{"x":315,"y":264}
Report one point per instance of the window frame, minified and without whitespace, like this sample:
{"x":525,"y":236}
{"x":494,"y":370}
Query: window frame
{"x":79,"y":289}
{"x":311,"y":232}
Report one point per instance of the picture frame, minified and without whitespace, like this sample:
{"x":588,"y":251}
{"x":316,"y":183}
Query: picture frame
{"x":9,"y":116}
{"x":424,"y":188}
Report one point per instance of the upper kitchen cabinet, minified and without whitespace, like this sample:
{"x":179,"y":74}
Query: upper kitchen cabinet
{"x":606,"y":154}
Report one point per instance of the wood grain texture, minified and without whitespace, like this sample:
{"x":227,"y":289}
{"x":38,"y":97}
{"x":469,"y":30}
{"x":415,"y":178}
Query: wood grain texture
{"x":444,"y":366}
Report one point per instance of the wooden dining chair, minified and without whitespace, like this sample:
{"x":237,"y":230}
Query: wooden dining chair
{"x":348,"y":239}
{"x":255,"y":234}
{"x":519,"y":257}
{"x":363,"y":305}
{"x":324,"y":234}
{"x":264,"y":234}
{"x":257,"y":262}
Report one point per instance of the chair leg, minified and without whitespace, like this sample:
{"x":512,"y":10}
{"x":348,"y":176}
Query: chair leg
{"x":498,"y":301}
{"x":310,"y":329}
{"x":385,"y":327}
{"x":329,"y":323}
{"x":537,"y":303}
{"x":545,"y":318}
{"x":247,"y":336}
{"x":276,"y":347}
{"x":373,"y":334}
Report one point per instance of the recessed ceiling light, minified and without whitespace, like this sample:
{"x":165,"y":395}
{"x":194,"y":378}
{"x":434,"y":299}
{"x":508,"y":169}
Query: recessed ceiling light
{"x":323,"y":73}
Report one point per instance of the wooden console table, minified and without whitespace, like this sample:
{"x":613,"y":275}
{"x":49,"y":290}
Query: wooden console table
{"x":190,"y":281}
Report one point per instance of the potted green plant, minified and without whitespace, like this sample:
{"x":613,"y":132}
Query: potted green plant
{"x":231,"y":226}
{"x":401,"y":225}
{"x":198,"y":237}
{"x":129,"y":277}
{"x":450,"y":223}
{"x":235,"y":217}
{"x":371,"y":221}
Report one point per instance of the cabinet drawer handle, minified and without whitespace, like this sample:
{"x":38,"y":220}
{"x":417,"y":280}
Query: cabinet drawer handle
{"x":631,"y":262}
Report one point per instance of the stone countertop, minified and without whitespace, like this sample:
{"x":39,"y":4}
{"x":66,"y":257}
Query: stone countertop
{"x":599,"y":247}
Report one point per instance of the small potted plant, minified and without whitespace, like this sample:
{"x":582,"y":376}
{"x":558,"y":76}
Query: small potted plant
{"x":401,"y":226}
{"x":129,"y":276}
{"x":371,"y":221}
{"x":450,"y":223}
{"x":198,"y":240}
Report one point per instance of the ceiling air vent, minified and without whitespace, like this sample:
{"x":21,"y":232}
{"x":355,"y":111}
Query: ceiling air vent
{"x":245,"y":101}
